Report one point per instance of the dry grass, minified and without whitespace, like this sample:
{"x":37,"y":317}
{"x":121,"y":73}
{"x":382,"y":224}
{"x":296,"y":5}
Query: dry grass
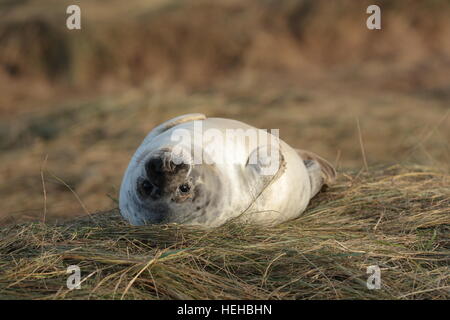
{"x":85,"y":99}
{"x":74,"y":106}
{"x":396,"y":218}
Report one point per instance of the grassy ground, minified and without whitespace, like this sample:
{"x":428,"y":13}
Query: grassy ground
{"x":397,"y":218}
{"x":74,"y":106}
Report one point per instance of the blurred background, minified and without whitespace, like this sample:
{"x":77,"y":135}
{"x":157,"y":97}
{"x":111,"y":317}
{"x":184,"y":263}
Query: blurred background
{"x":75,"y":104}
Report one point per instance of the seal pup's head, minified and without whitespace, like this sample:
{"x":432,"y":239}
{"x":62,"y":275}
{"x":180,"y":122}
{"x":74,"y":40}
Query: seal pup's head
{"x":159,"y":188}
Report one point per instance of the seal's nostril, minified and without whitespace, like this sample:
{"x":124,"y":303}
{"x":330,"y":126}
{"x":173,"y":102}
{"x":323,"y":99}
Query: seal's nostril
{"x":147,"y":187}
{"x":154,"y":166}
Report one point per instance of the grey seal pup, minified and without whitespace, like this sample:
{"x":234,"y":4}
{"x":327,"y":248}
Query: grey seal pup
{"x":165,"y":183}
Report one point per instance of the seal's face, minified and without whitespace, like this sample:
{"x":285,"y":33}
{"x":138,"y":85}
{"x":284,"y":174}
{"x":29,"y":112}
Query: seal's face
{"x":162,"y":191}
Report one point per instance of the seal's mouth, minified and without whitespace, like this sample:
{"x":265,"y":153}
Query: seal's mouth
{"x":157,"y":213}
{"x":156,"y":219}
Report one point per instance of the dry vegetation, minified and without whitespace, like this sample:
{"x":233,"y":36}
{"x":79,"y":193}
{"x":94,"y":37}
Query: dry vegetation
{"x":199,"y":43}
{"x":74,"y":105}
{"x":397,"y":218}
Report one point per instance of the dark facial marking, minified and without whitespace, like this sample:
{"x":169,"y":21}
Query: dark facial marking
{"x":146,"y":187}
{"x":168,"y":194}
{"x":165,"y":174}
{"x":184,"y":188}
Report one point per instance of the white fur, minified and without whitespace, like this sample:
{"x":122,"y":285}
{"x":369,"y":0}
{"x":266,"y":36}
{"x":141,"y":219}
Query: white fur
{"x":284,"y":198}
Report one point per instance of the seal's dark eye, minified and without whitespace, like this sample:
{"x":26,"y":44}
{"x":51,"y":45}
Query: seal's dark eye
{"x":146,"y":187}
{"x":184,"y":188}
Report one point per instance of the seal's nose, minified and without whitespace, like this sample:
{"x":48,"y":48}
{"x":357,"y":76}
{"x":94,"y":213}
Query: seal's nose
{"x":147,"y":189}
{"x":161,"y":170}
{"x":161,"y":165}
{"x":154,"y":166}
{"x":154,"y":169}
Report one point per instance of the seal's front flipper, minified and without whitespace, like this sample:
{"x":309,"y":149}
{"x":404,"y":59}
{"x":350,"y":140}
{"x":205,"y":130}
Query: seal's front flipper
{"x":172,"y":123}
{"x":264,"y":165}
{"x":320,"y":171}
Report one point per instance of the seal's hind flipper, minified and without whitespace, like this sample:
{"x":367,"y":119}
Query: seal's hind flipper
{"x":320,"y":171}
{"x":172,"y":123}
